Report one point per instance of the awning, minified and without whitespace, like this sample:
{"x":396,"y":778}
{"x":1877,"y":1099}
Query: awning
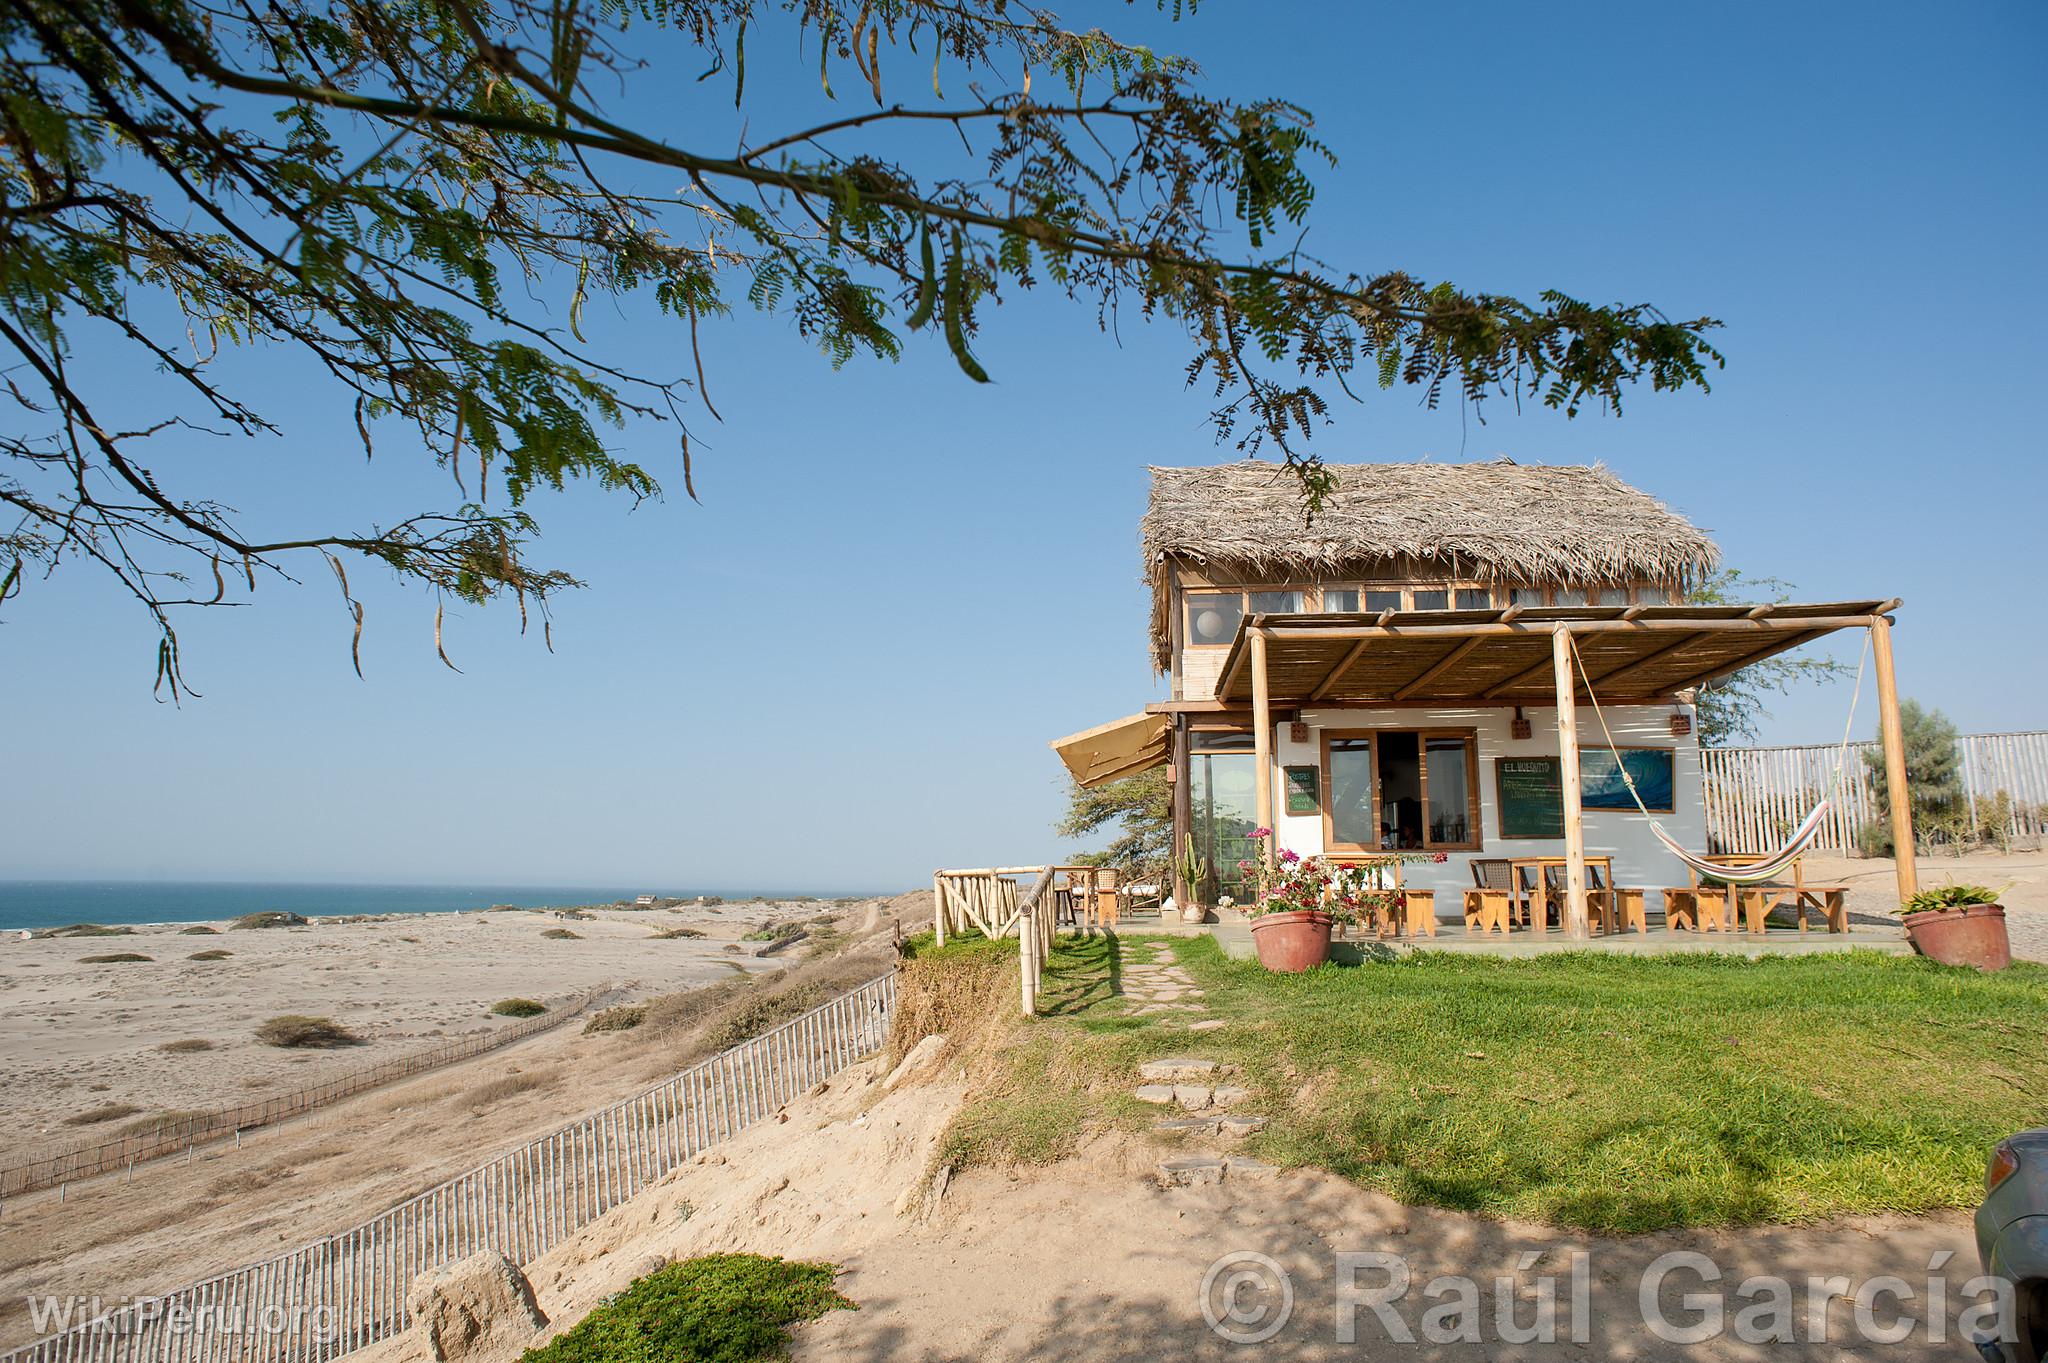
{"x":1634,"y":653}
{"x":1122,"y":747}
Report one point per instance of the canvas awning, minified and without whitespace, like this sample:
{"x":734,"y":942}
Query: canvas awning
{"x":1122,"y":747}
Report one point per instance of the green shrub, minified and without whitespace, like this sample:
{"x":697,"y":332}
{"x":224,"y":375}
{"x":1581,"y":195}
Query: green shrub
{"x":210,"y":954}
{"x":112,"y":957}
{"x":519,"y":1008}
{"x":199,"y":930}
{"x":299,"y":1031}
{"x":1949,"y":897}
{"x":670,"y":934}
{"x":106,"y":1112}
{"x":86,"y":930}
{"x":269,"y":918}
{"x":624,"y":1018}
{"x":721,"y":1308}
{"x":562,"y":935}
{"x":191,"y":1046}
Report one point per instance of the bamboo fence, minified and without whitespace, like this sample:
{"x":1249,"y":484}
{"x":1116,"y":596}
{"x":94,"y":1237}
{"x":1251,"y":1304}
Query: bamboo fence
{"x":989,"y":902}
{"x":178,"y":1135}
{"x":1755,"y":796}
{"x":346,"y":1291}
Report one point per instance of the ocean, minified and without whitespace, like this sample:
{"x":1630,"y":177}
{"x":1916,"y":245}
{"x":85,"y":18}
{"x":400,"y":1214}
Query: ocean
{"x":58,"y":903}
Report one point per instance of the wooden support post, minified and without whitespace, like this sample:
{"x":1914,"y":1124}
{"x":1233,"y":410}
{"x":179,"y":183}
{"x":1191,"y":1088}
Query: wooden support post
{"x":1262,"y":744}
{"x":1183,"y":809}
{"x":1027,"y":962}
{"x":938,"y":908}
{"x":1575,"y":922}
{"x":1897,"y":795}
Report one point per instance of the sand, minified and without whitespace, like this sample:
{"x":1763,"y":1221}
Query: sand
{"x":1091,"y":1260}
{"x":77,"y":1036}
{"x":2021,"y":878}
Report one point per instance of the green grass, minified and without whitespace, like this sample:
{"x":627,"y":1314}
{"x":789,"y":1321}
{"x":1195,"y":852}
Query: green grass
{"x":721,"y":1308}
{"x":1587,"y":1090}
{"x":519,"y":1008}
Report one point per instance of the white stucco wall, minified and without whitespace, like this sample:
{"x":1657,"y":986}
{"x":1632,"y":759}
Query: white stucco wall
{"x":1639,"y":859}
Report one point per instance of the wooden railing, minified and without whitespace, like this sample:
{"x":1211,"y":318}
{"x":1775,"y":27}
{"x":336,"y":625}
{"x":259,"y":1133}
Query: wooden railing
{"x":994,"y":902}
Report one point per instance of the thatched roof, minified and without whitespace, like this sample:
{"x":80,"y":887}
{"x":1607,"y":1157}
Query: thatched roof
{"x":1527,"y":524}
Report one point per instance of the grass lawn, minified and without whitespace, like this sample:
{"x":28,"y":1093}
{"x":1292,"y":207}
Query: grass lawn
{"x":1591,"y":1090}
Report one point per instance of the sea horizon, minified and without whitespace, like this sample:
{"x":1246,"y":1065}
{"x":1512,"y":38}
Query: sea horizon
{"x":49,"y":903}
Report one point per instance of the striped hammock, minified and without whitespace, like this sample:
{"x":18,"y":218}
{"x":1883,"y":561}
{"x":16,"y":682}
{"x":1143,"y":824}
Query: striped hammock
{"x":1771,"y":864}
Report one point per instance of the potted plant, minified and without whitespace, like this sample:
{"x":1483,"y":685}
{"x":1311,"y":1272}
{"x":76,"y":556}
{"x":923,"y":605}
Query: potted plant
{"x":1191,"y":870}
{"x":1958,"y":925}
{"x":1291,"y":916}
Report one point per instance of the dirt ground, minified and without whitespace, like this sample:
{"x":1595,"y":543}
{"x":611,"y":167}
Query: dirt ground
{"x":1091,"y":1260}
{"x":78,"y":1036}
{"x":2020,"y":877}
{"x":282,"y":1186}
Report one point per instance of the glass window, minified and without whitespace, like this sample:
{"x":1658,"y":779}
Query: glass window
{"x":1450,"y":791}
{"x":1350,"y":793}
{"x":1432,"y":599}
{"x":1339,"y":599}
{"x":1400,"y":769}
{"x":1568,"y":596}
{"x":1653,"y":596}
{"x":1525,"y":596}
{"x":1213,"y":616}
{"x":1383,"y":600}
{"x":1475,"y":598}
{"x":1276,"y":603}
{"x":1223,"y":805}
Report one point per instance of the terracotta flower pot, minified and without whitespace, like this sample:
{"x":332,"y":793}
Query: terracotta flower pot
{"x":1973,"y":935}
{"x":1288,"y":942}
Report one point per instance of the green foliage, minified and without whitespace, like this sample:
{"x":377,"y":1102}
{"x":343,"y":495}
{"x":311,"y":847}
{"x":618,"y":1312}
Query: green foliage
{"x":269,"y":918}
{"x":1578,"y":1089}
{"x":421,"y":204}
{"x":561,"y":935}
{"x":211,"y":954}
{"x":114,"y":957}
{"x":623,"y":1017}
{"x":1729,"y":710}
{"x":86,"y":930}
{"x":298,"y":1031}
{"x":1949,"y":897}
{"x":1934,"y":776}
{"x":518,"y":1008}
{"x":719,"y":1308}
{"x":1140,"y":811}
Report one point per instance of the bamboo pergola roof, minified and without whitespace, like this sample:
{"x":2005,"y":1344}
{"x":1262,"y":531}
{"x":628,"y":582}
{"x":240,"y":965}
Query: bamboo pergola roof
{"x":1636,"y":653}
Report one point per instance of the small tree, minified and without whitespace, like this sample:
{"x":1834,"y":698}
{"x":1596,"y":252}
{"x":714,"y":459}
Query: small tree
{"x":1730,"y":708}
{"x":1934,"y":776}
{"x":1139,"y":808}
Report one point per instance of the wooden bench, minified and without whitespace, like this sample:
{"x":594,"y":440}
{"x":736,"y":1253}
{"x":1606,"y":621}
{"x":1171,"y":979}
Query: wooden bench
{"x":1716,"y":906}
{"x":1492,"y":898}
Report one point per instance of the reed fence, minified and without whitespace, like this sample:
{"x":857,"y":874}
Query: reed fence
{"x":346,"y":1291}
{"x":1754,"y":796}
{"x":177,"y":1135}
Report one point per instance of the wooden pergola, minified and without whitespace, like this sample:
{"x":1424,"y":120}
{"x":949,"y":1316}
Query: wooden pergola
{"x":1631,"y":655}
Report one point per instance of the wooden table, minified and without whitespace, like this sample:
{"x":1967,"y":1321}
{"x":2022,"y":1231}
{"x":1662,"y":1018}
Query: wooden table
{"x":1535,"y":913}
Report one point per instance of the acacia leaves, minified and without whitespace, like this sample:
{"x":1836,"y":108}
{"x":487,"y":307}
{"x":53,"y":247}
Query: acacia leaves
{"x":422,"y":199}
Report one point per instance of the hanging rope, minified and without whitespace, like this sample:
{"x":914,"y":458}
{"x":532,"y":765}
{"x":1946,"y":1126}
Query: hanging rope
{"x":1774,"y":862}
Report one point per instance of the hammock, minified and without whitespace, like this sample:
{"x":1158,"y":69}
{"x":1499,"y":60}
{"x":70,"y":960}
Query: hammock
{"x":1772,"y":863}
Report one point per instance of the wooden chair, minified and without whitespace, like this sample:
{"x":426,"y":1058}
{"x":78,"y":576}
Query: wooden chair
{"x":1489,"y":902}
{"x":1417,"y":915}
{"x":1599,"y":901}
{"x":1619,"y":906}
{"x":1105,"y":897}
{"x":1754,"y":902}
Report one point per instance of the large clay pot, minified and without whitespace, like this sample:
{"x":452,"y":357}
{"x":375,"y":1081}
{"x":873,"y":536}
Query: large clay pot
{"x":1288,"y":942}
{"x":1973,"y":935}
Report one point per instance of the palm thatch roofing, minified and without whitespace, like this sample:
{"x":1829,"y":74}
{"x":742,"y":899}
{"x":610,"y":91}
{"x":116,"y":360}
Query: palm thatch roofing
{"x":1498,"y":521}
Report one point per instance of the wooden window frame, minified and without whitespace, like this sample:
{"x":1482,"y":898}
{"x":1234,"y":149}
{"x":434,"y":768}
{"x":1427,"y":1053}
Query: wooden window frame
{"x":1244,"y":605}
{"x":1470,"y":738}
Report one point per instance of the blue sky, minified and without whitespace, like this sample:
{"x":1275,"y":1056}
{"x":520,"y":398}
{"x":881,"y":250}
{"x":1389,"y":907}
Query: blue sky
{"x":843,"y":667}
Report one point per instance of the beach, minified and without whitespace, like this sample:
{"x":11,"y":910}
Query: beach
{"x":85,"y":1038}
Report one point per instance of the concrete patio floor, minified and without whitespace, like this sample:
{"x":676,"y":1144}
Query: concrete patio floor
{"x":1236,"y":940}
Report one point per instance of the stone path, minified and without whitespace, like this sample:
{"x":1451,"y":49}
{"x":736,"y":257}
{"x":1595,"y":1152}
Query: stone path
{"x":1158,"y":985}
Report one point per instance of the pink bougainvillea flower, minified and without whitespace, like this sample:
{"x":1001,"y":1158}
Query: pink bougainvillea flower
{"x":1262,"y":832}
{"x":1290,"y":856}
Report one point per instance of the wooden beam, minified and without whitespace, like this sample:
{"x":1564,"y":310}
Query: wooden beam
{"x":1575,"y":920}
{"x":1262,"y":745}
{"x":1337,"y":672}
{"x":1897,"y":794}
{"x":1740,"y":624}
{"x":1754,"y":656}
{"x":1437,"y":669}
{"x":1650,"y":660}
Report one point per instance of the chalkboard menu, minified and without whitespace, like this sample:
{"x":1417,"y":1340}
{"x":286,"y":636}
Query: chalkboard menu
{"x":1304,"y":790}
{"x":1531,"y":793}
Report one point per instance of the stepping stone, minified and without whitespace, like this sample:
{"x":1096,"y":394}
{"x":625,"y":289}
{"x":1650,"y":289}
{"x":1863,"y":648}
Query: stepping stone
{"x":1177,"y":1067}
{"x":1251,"y":1168}
{"x":1239,"y":1125}
{"x":1155,"y":1093}
{"x":1186,"y":1126}
{"x":1225,"y":1095}
{"x":1207,"y":1025}
{"x":1189,"y":1173}
{"x":1193,"y":1097}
